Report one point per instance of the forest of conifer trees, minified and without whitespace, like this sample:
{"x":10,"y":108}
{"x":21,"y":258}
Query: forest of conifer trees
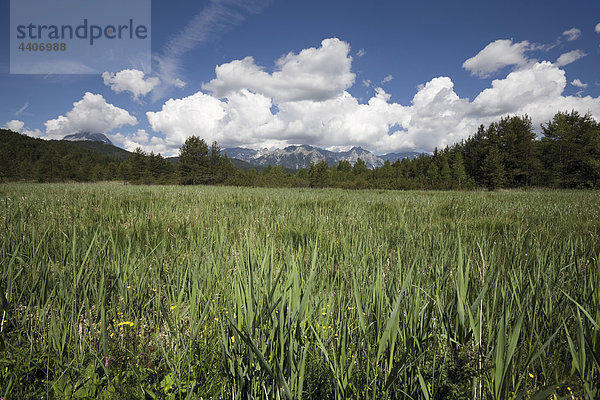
{"x":506,"y":154}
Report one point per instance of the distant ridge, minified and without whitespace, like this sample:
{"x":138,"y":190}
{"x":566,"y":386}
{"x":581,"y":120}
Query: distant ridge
{"x":298,"y":157}
{"x":291,"y":157}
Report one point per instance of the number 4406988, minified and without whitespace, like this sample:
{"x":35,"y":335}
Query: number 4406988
{"x":43,"y":46}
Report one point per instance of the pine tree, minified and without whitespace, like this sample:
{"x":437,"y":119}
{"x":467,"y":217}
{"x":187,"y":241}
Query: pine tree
{"x":459,"y":176}
{"x":138,"y":166}
{"x":572,"y":150}
{"x":359,"y":167}
{"x":433,"y":175}
{"x":520,"y":159}
{"x":445,"y":173}
{"x":194,"y":163}
{"x":493,"y":169}
{"x":473,"y":151}
{"x":318,"y":174}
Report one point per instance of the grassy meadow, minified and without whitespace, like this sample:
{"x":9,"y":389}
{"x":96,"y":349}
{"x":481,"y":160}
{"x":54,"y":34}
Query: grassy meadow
{"x":113,"y":291}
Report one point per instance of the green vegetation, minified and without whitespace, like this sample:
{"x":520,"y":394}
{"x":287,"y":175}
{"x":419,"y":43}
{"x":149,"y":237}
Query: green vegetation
{"x":113,"y":291}
{"x":23,"y":158}
{"x":104,"y":149}
{"x":506,"y":154}
{"x":200,"y":166}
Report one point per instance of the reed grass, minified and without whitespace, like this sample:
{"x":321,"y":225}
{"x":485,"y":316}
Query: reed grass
{"x":198,"y":292}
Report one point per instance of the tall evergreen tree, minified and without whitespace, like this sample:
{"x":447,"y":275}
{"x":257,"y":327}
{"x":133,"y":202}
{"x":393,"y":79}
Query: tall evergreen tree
{"x":138,"y":166}
{"x":433,"y":175}
{"x":459,"y":176}
{"x":445,"y":173}
{"x":318,"y":174}
{"x":572,"y":150}
{"x":474,"y":152}
{"x":360,"y":167}
{"x":493,"y":169}
{"x":520,"y":158}
{"x":344,"y":166}
{"x":194,"y":162}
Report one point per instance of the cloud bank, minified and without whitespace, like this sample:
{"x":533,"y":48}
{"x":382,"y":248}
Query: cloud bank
{"x":306,"y":100}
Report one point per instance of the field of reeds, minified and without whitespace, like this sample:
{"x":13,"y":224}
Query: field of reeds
{"x":112,"y":291}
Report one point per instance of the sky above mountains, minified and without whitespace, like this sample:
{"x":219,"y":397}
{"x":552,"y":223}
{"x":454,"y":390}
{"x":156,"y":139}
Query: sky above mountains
{"x":383,"y":75}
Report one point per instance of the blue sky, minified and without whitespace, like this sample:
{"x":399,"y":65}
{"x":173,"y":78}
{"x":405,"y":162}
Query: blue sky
{"x":385,"y":75}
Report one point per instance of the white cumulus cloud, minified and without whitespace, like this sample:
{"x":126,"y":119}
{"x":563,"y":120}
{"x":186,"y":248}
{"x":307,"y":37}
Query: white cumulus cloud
{"x":90,"y":114}
{"x":387,"y":79}
{"x":579,"y":84}
{"x":497,"y":55}
{"x":570,"y":57}
{"x":521,"y":89}
{"x":313,"y":74}
{"x":536,"y":91}
{"x":130,"y":80}
{"x":572,"y":34}
{"x":597,"y":29}
{"x":274,"y":115}
{"x":197,"y":115}
{"x":142,"y":139}
{"x":15,"y":125}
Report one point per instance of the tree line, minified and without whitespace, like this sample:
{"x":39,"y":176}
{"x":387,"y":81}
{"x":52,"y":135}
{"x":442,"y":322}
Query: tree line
{"x":506,"y":154}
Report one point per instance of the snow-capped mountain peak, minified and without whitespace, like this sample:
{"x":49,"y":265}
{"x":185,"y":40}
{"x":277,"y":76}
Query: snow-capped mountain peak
{"x":88,"y":137}
{"x":301,"y":156}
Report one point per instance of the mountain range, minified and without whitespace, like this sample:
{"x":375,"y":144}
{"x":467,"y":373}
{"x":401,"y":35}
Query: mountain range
{"x":298,"y":157}
{"x":291,"y":157}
